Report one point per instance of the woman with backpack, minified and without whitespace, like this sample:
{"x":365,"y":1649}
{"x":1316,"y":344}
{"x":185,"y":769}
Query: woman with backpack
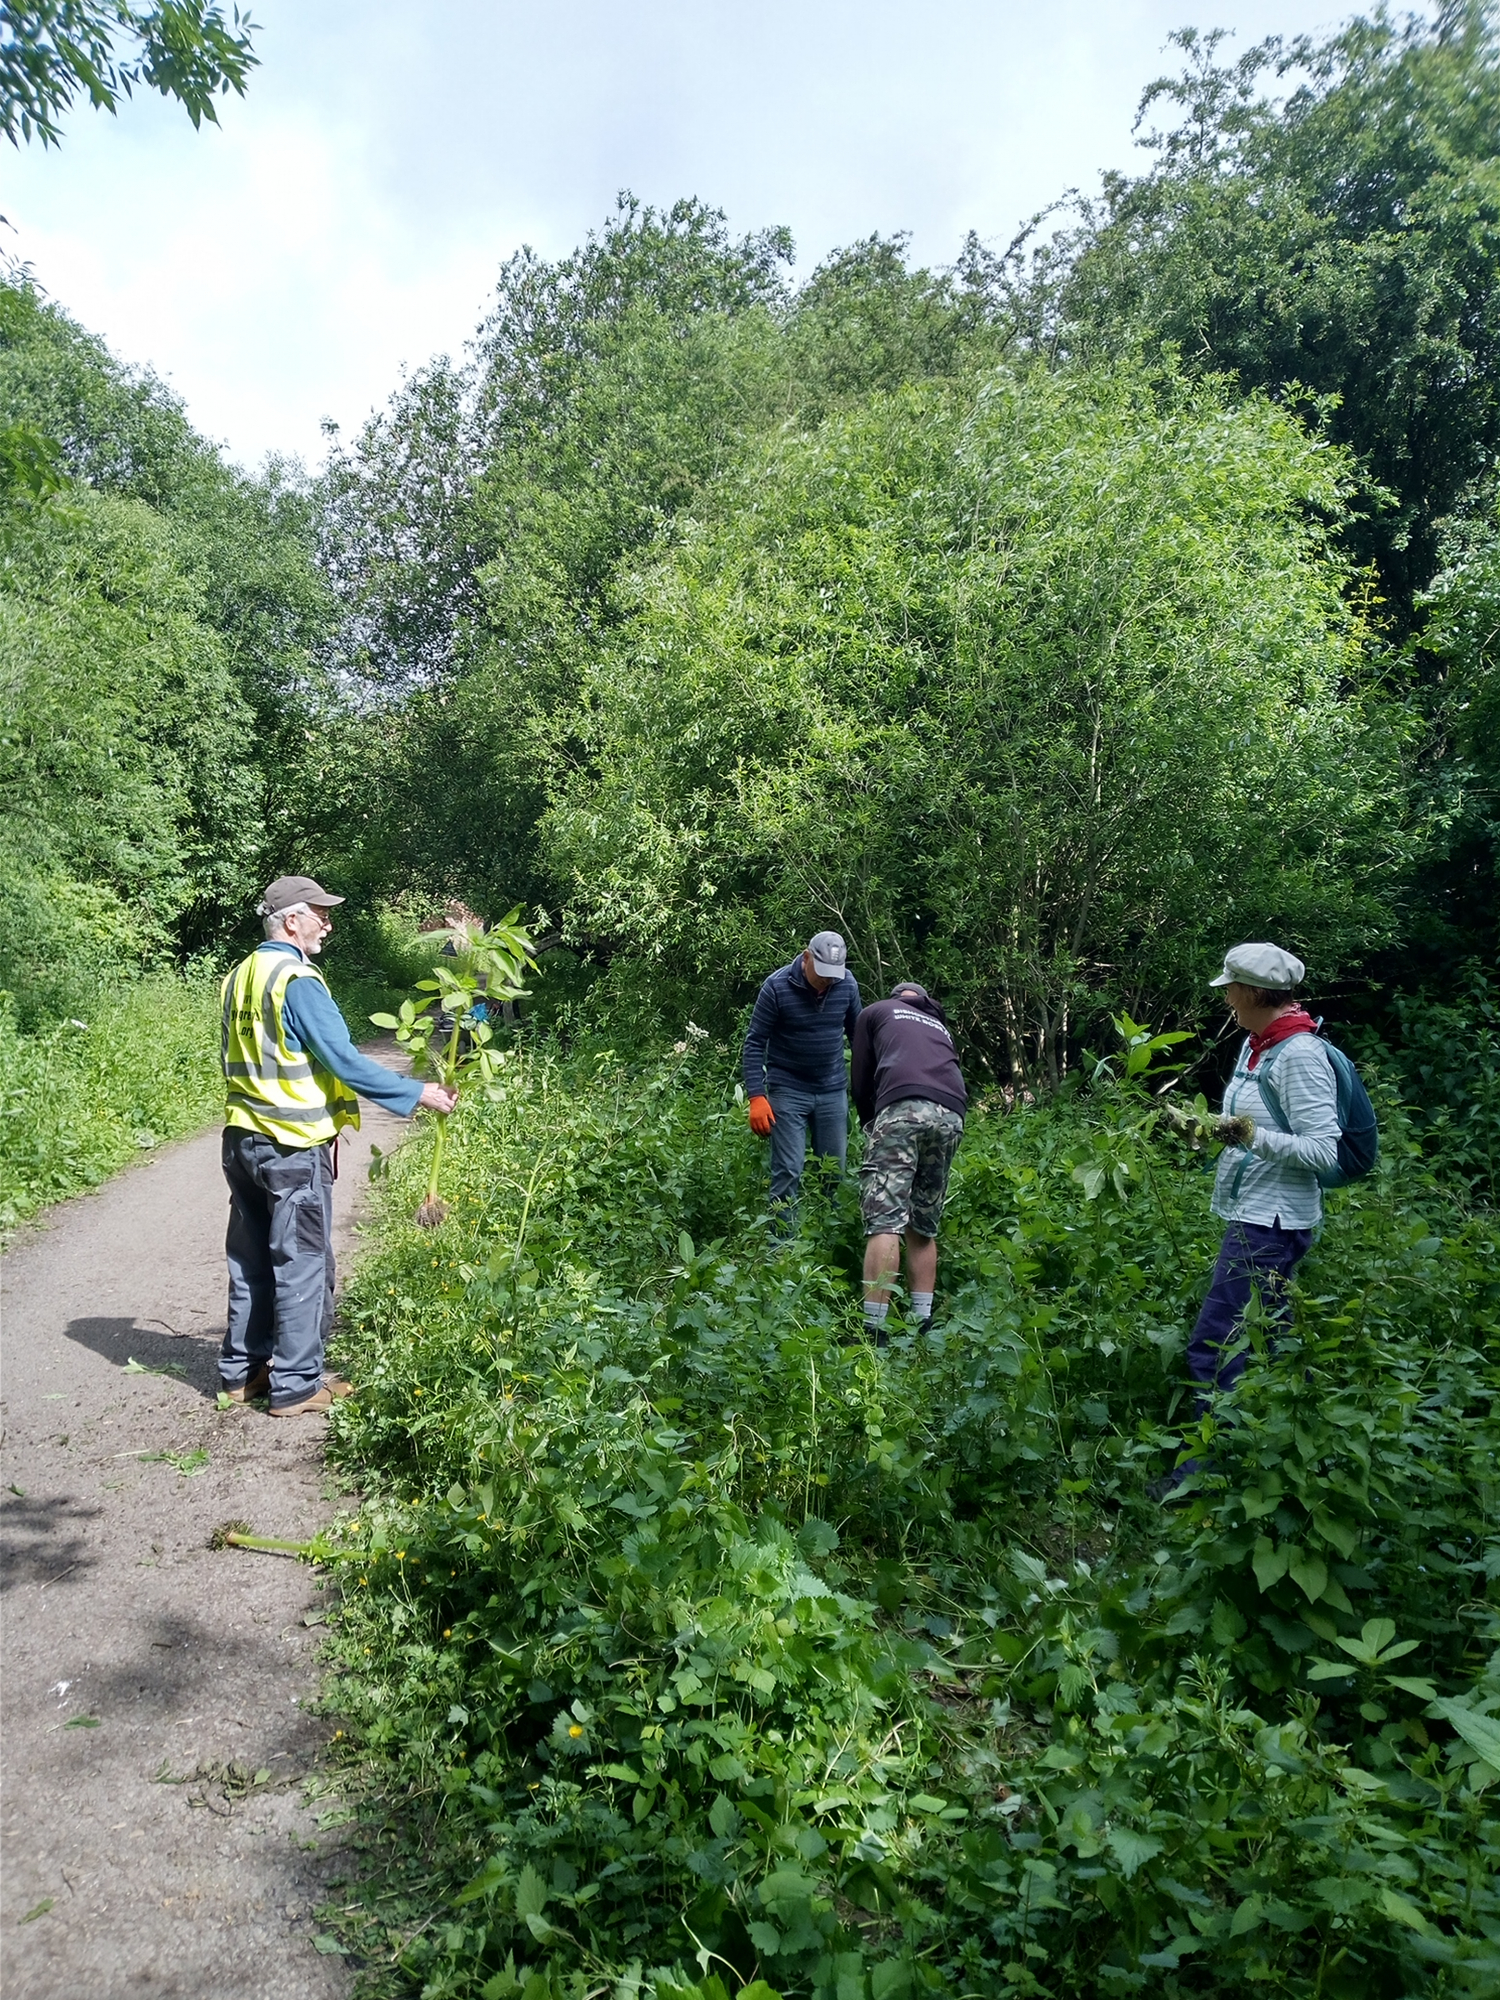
{"x":1282,"y":1144}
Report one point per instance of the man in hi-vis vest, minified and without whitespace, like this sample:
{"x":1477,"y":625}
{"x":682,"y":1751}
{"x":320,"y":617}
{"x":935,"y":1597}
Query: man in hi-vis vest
{"x":290,"y":1077}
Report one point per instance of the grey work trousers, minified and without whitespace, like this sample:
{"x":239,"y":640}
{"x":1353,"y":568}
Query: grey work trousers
{"x":280,"y":1251}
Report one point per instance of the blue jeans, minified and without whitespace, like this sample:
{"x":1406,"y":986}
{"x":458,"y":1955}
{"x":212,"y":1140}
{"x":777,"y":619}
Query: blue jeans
{"x":825,"y":1113}
{"x":280,"y":1251}
{"x":1253,"y":1256}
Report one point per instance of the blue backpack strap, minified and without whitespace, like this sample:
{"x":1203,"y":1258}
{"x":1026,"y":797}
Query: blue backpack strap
{"x":1261,"y":1074}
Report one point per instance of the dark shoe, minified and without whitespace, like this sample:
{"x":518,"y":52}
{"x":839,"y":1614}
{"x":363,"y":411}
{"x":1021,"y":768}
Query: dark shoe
{"x":315,"y":1405}
{"x":255,"y":1385}
{"x":924,"y":1325}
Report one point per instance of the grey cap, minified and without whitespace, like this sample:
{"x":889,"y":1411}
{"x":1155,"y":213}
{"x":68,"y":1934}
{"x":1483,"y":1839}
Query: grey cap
{"x":1265,"y":965}
{"x":829,"y":955}
{"x":288,"y":890}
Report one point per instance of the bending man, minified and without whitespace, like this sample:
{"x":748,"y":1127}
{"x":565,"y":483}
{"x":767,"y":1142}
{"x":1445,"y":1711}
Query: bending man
{"x":290,"y":1076}
{"x":794,"y":1062}
{"x":910,"y":1096}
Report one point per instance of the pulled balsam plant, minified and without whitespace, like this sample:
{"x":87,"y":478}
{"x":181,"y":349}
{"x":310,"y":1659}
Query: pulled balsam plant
{"x":449,"y":1032}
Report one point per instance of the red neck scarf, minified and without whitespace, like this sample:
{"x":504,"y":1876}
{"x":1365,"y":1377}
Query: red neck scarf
{"x":1298,"y":1022}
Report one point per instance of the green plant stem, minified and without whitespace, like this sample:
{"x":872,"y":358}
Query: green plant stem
{"x":447,"y":1071}
{"x":439,"y":1142}
{"x":269,"y":1546}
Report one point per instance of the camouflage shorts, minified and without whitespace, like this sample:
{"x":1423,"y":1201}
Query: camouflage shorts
{"x":903,"y":1177}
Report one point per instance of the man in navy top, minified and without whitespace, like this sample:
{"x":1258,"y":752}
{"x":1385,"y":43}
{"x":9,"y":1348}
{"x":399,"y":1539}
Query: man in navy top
{"x":793,"y":1063}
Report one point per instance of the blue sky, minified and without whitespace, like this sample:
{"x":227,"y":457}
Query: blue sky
{"x":349,"y":215}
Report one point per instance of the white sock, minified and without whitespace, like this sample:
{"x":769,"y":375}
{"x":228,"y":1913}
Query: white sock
{"x":875,"y":1314}
{"x":921,"y":1304}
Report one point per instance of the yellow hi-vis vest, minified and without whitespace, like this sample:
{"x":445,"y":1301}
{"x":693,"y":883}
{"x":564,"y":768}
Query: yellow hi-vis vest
{"x":269,"y":1087}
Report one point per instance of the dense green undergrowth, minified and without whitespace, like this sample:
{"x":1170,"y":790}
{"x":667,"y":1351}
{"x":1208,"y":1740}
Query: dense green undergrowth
{"x":683,"y":1638}
{"x":81,"y":1097}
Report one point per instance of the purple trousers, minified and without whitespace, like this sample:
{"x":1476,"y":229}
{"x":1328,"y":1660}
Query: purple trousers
{"x":1252,"y":1257}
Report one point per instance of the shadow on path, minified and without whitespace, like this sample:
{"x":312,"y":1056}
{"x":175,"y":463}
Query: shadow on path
{"x":186,"y":1357}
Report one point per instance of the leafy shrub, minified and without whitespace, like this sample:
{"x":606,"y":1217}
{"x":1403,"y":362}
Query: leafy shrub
{"x":1446,"y":1058}
{"x":80,"y":1098}
{"x":695,"y":1638}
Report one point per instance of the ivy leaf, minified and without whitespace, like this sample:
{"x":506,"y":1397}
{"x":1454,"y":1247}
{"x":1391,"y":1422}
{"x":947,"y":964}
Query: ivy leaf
{"x":1341,"y":1535}
{"x":1310,"y":1574}
{"x":1270,"y":1563}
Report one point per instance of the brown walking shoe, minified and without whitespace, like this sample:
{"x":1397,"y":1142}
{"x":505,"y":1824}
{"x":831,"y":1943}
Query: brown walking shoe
{"x":255,"y":1385}
{"x":337,"y":1385}
{"x":315,"y":1405}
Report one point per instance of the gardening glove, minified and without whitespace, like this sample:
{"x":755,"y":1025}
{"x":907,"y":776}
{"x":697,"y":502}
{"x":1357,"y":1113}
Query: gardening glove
{"x":1234,"y":1131}
{"x":762,"y":1117}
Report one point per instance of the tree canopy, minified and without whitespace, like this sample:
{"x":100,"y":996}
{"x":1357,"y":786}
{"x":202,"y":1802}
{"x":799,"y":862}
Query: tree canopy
{"x":1033,"y":619}
{"x":52,"y":51}
{"x":159,"y":617}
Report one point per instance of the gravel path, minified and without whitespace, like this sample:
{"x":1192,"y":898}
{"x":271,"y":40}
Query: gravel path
{"x":147,"y":1680}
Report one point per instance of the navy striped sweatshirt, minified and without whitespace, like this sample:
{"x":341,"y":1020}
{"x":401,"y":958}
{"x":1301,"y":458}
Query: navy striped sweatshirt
{"x":796,"y":1036}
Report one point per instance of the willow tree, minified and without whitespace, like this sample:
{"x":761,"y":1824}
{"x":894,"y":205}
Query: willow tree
{"x":1044,"y":688}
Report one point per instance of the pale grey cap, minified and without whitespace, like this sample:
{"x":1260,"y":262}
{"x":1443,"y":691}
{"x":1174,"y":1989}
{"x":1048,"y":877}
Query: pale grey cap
{"x":829,"y":955}
{"x":1265,"y":965}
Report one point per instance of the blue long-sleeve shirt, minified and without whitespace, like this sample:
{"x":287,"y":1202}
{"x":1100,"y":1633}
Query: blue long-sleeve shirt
{"x":311,"y":1018}
{"x":797,"y":1036}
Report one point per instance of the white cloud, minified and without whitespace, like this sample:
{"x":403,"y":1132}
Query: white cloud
{"x":351,"y":213}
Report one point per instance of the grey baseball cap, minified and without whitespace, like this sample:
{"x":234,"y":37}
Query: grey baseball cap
{"x":829,"y":955}
{"x":1265,"y":965}
{"x":289,"y":889}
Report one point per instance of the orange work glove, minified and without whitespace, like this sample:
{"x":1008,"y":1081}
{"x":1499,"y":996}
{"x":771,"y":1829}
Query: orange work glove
{"x":762,"y":1117}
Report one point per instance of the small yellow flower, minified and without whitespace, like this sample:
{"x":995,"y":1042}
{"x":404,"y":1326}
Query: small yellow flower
{"x":575,"y":1729}
{"x":365,"y":1581}
{"x":401,"y":1555}
{"x":447,"y":1631}
{"x":419,"y":1392}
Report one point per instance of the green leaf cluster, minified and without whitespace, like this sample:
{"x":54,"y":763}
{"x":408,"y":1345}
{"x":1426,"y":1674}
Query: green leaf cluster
{"x":704,"y":1642}
{"x":1042,"y":682}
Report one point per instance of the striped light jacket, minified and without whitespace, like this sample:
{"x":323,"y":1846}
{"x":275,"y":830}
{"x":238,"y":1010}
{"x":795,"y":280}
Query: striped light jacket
{"x":1274,"y":1181}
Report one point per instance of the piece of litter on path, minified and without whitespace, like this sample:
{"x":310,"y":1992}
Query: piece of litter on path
{"x":38,"y":1910}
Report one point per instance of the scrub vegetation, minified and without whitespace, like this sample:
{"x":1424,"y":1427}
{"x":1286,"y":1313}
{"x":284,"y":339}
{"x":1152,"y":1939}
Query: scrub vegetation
{"x":1043,"y":623}
{"x":688,"y":1639}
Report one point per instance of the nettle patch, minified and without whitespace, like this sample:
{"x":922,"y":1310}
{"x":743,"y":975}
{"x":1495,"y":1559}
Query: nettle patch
{"x":697,"y":1648}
